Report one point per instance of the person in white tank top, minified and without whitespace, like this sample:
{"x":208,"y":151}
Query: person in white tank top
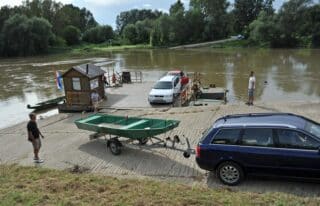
{"x":251,"y":88}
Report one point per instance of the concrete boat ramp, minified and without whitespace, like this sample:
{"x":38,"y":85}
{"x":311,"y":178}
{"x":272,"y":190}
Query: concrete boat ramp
{"x":65,"y":146}
{"x":135,"y":95}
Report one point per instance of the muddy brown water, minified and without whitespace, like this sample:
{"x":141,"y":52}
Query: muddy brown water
{"x":282,"y":75}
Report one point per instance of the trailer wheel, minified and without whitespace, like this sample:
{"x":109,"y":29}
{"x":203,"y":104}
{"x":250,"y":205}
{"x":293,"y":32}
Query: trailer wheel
{"x":186,"y":154}
{"x":115,"y":147}
{"x":176,"y":139}
{"x":143,"y":141}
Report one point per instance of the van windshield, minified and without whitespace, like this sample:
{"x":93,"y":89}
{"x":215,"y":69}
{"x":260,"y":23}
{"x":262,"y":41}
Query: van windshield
{"x":313,"y":128}
{"x":163,"y":85}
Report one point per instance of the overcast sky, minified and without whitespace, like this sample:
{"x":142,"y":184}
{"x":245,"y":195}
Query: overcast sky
{"x":106,"y":11}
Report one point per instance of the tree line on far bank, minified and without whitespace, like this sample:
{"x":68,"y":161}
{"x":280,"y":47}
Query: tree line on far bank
{"x":37,"y":25}
{"x":295,"y":24}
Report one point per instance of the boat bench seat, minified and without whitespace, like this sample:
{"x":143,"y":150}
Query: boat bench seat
{"x":134,"y":124}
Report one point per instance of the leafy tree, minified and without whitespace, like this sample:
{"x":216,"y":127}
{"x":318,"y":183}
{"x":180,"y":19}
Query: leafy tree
{"x":246,"y":11}
{"x":194,"y":25}
{"x":215,"y":16}
{"x":134,"y":15}
{"x":291,"y":20}
{"x":314,"y":24}
{"x":264,"y":31}
{"x":161,"y":31}
{"x":5,"y":13}
{"x":98,"y":34}
{"x":130,"y":33}
{"x":59,"y":15}
{"x":87,"y":20}
{"x":23,"y":36}
{"x":71,"y":34}
{"x":178,"y":23}
{"x":144,"y":29}
{"x":176,"y":8}
{"x":41,"y":33}
{"x":16,"y":36}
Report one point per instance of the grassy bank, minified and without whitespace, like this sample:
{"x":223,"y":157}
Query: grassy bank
{"x":92,"y":49}
{"x":37,"y":186}
{"x":234,"y":44}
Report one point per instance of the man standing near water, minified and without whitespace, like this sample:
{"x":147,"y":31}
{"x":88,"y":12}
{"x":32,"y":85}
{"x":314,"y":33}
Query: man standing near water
{"x":251,"y":88}
{"x":34,"y":137}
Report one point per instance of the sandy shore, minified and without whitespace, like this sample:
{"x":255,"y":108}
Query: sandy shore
{"x":65,"y":146}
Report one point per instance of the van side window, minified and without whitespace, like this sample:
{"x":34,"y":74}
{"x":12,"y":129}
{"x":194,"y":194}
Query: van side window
{"x":226,"y":136}
{"x":257,"y":137}
{"x":297,"y":140}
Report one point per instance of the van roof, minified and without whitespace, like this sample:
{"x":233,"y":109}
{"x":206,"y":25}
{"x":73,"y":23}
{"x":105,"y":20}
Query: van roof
{"x":263,"y":119}
{"x":167,"y":78}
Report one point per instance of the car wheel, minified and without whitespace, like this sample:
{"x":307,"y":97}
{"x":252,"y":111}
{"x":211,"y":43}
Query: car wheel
{"x":230,"y":173}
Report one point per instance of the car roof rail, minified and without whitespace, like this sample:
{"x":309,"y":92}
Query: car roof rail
{"x":255,"y":115}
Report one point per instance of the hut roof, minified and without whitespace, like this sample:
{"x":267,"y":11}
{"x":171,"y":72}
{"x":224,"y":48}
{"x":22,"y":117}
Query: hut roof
{"x":89,"y":70}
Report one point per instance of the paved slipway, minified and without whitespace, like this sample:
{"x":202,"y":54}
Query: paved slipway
{"x":65,"y":146}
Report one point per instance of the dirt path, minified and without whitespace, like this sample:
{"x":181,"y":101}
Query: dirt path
{"x":65,"y":146}
{"x":204,"y":44}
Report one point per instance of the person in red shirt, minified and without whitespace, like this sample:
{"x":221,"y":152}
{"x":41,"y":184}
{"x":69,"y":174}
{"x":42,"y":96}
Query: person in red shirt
{"x":184,"y":79}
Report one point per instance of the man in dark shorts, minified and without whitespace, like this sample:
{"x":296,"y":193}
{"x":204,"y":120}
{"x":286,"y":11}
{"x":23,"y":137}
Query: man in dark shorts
{"x":34,"y":137}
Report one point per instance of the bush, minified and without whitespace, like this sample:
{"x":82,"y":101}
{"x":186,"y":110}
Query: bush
{"x":22,"y":36}
{"x":57,"y":41}
{"x":130,"y":34}
{"x":72,"y":35}
{"x":98,"y":34}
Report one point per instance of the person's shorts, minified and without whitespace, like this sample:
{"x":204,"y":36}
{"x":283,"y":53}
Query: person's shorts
{"x":250,"y":92}
{"x":95,"y":104}
{"x":36,"y":143}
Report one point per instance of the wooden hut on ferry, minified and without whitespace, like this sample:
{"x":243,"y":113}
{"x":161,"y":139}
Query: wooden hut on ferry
{"x":79,"y":83}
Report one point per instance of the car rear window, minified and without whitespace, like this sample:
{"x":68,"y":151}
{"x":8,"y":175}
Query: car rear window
{"x":226,"y":136}
{"x":313,"y":128}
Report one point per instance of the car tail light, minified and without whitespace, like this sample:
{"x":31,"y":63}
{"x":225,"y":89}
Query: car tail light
{"x":198,"y":151}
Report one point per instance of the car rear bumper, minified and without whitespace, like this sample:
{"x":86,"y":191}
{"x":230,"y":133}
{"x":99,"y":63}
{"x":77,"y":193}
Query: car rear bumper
{"x":205,"y":165}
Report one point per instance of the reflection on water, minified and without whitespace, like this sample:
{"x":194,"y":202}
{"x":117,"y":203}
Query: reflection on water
{"x":281,"y":74}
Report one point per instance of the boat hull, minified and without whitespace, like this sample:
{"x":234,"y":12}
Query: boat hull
{"x":122,"y":126}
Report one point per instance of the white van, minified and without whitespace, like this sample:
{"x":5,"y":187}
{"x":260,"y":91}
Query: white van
{"x":165,"y":90}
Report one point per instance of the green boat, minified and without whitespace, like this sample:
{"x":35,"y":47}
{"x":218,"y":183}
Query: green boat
{"x":47,"y":104}
{"x":123,"y":126}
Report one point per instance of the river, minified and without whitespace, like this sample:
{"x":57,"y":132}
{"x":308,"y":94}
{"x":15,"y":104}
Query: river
{"x":282,"y":75}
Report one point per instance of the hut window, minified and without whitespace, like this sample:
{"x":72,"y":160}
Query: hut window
{"x":76,"y":83}
{"x":94,"y":83}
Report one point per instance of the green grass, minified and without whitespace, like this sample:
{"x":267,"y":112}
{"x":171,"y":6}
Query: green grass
{"x":38,"y":186}
{"x":91,"y":49}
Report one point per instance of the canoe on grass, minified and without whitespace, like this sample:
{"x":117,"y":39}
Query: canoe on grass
{"x":122,"y":126}
{"x":46,"y":104}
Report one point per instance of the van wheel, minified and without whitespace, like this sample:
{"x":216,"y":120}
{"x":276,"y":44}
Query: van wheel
{"x":230,"y":173}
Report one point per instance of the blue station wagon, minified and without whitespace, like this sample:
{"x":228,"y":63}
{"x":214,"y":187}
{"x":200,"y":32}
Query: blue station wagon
{"x":265,"y":143}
